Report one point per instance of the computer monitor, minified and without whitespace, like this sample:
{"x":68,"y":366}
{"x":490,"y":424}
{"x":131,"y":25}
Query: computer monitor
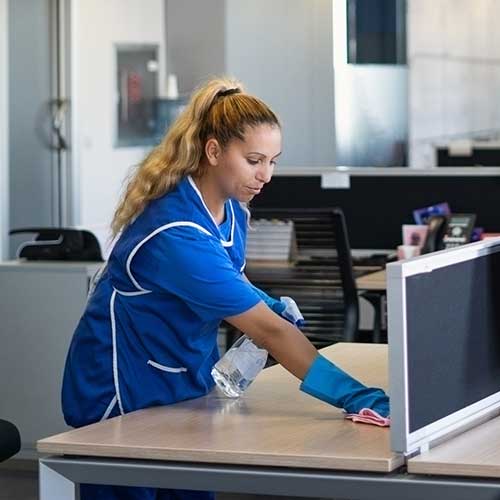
{"x":444,"y":343}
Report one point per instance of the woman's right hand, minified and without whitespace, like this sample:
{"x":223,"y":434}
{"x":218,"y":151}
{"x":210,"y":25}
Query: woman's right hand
{"x":326,"y":381}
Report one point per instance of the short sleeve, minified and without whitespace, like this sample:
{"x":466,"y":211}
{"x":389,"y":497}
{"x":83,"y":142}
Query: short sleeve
{"x":195,"y":268}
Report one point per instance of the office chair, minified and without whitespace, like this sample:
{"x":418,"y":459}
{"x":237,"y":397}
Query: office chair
{"x":10,"y":441}
{"x":321,"y":279}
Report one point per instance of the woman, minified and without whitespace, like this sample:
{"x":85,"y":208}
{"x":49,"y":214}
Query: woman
{"x":148,"y":334}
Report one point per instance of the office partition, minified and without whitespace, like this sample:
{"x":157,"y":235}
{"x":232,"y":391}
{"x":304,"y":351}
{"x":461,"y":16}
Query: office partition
{"x":444,"y":343}
{"x":375,"y":206}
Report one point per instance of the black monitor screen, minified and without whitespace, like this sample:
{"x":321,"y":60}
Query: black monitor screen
{"x":453,"y":333}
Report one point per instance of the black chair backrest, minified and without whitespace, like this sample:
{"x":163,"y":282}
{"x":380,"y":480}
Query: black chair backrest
{"x":321,"y":280}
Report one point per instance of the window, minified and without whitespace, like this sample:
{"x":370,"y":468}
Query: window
{"x":376,"y":31}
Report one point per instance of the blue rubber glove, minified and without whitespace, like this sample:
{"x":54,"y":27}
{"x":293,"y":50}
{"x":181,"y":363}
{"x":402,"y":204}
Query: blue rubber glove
{"x":329,"y":383}
{"x":285,"y":307}
{"x":276,"y":305}
{"x":292,"y":312}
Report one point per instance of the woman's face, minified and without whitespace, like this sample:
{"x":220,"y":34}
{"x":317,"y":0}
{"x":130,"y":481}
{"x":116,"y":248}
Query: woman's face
{"x":243,"y":167}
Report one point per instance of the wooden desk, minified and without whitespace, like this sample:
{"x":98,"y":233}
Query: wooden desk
{"x":376,"y":281}
{"x":274,"y":440}
{"x":474,"y":453}
{"x":273,"y":423}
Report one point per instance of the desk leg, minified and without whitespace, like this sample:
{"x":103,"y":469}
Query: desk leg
{"x":378,"y":301}
{"x":54,"y":486}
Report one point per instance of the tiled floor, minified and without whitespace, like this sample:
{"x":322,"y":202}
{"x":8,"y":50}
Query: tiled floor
{"x":20,"y":482}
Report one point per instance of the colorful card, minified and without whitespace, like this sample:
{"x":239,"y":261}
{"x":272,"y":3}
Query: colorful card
{"x":421,"y":215}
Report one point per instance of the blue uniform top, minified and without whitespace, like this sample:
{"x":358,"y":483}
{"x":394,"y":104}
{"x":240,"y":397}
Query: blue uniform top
{"x":148,"y":335}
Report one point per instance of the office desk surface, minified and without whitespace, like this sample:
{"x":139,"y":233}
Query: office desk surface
{"x":473,"y":453}
{"x":273,"y":423}
{"x":372,"y":281}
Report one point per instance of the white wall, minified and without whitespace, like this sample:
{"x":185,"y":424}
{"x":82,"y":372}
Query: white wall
{"x":283,"y":52}
{"x":99,"y":167}
{"x":195,"y":40}
{"x":280,"y":49}
{"x":454,"y":73}
{"x":4,"y":117}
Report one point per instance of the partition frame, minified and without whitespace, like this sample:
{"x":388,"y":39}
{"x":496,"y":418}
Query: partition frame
{"x":402,"y":440}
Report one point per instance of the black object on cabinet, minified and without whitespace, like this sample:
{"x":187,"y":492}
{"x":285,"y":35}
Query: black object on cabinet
{"x":10,"y":440}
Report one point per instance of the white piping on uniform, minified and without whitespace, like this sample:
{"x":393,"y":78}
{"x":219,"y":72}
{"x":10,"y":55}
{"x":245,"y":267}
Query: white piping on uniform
{"x":230,"y":242}
{"x":132,"y":294}
{"x":166,"y":368}
{"x":222,"y":240}
{"x":147,"y":238}
{"x":141,"y":291}
{"x":115,"y":354}
{"x":243,"y":266}
{"x":109,"y":408}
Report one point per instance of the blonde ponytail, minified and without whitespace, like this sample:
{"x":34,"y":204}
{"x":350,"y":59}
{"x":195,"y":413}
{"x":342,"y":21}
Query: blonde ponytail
{"x":219,"y":109}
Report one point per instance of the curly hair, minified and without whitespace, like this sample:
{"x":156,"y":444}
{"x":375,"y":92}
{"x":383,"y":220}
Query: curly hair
{"x":219,"y":109}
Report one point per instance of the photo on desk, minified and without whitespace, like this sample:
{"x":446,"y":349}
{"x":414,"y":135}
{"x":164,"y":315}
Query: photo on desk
{"x":415,"y":234}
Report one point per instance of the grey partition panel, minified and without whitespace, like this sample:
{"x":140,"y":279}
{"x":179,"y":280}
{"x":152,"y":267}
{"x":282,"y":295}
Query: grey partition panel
{"x":444,"y":343}
{"x":453,"y":338}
